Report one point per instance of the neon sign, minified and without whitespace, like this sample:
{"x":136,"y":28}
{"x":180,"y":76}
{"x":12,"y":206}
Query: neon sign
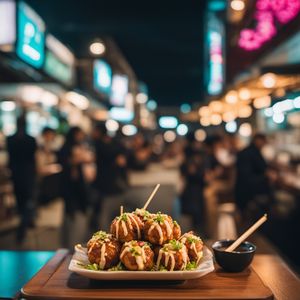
{"x":31,"y":36}
{"x":215,"y":53}
{"x":268,"y":13}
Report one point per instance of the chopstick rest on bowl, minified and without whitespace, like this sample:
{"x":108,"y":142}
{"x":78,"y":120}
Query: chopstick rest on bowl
{"x":235,"y":261}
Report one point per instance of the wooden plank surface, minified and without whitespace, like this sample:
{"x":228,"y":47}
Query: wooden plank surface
{"x":275,"y":273}
{"x":54,"y":281}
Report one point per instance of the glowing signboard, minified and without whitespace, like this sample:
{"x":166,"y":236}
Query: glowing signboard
{"x":7,"y":24}
{"x":119,"y":90}
{"x":102,"y":76}
{"x":59,"y":61}
{"x":215,"y":56}
{"x":31,"y":36}
{"x":268,"y":15}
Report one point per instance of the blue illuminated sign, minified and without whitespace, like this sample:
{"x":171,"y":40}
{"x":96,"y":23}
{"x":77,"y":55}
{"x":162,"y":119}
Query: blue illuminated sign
{"x":31,"y":36}
{"x":102,"y":76}
{"x":215,"y":56}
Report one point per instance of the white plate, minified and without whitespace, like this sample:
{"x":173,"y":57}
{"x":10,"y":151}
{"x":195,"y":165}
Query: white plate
{"x":80,"y":257}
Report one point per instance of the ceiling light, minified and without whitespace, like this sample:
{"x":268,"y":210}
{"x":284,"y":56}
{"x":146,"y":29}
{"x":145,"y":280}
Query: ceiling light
{"x":231,"y":97}
{"x":297,"y":102}
{"x":231,"y":126}
{"x":216,"y":106}
{"x":245,"y":130}
{"x":182,"y":129}
{"x":97,"y":48}
{"x":141,"y":98}
{"x":237,"y":5}
{"x":200,"y":135}
{"x":152,"y":105}
{"x":129,"y":130}
{"x":204,"y":111}
{"x":168,"y":122}
{"x":229,"y":116}
{"x":49,"y":99}
{"x":8,"y":105}
{"x":262,"y":102}
{"x":268,"y":80}
{"x":268,"y":112}
{"x":205,"y":121}
{"x":278,"y":118}
{"x":111,"y":125}
{"x":78,"y":100}
{"x":245,"y":111}
{"x":169,"y":136}
{"x":185,"y":108}
{"x":216,"y":119}
{"x":244,"y":94}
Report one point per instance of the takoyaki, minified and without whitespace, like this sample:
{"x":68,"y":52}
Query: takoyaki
{"x":137,"y":256}
{"x":194,"y":246}
{"x":143,"y":214}
{"x":127,"y":227}
{"x":160,"y":229}
{"x":173,"y":256}
{"x":176,"y":231}
{"x":104,"y":250}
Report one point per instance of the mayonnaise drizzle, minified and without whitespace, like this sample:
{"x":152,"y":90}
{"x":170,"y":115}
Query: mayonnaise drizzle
{"x":102,"y":257}
{"x":169,"y":255}
{"x":169,"y":229}
{"x":130,"y":220}
{"x":139,"y":259}
{"x":136,"y":224}
{"x":160,"y":233}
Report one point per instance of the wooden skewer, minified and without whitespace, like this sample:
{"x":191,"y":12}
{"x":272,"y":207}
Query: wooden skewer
{"x":247,"y":233}
{"x":151,"y":196}
{"x":121,"y":210}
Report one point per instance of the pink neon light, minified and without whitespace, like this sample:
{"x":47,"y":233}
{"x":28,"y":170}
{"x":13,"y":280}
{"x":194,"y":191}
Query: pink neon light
{"x":266,"y":15}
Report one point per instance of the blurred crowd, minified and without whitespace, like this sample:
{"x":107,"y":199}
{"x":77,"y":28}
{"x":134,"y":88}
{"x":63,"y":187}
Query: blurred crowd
{"x":84,"y":170}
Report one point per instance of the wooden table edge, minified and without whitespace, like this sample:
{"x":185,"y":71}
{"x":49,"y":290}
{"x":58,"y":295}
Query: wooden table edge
{"x":49,"y":269}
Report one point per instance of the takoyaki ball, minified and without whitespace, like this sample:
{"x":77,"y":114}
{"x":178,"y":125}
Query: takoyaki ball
{"x":159,"y":229}
{"x":173,"y":256}
{"x":127,"y":227}
{"x":137,"y":256}
{"x":143,"y":214}
{"x":104,"y":250}
{"x":176,"y":231}
{"x":194,"y":246}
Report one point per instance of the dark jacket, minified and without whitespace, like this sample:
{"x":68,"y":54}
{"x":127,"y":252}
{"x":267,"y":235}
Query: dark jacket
{"x":21,"y":149}
{"x":251,"y":179}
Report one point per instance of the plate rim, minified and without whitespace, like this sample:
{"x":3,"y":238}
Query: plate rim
{"x":104,"y":273}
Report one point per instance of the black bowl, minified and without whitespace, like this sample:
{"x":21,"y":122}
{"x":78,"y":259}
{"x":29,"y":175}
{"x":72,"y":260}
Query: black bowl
{"x":235,"y":261}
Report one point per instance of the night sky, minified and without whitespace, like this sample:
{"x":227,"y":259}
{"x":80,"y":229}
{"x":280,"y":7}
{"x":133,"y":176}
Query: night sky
{"x":162,"y":40}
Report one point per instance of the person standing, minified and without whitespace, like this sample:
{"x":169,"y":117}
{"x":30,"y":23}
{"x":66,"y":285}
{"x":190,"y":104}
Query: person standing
{"x":22,"y":149}
{"x":47,"y":167}
{"x":252,"y":175}
{"x":111,"y":180}
{"x":72,"y":157}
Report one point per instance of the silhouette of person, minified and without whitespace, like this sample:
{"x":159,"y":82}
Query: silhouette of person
{"x":22,"y":148}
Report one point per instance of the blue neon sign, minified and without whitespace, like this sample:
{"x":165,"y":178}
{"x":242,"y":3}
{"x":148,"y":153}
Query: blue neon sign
{"x":31,"y":36}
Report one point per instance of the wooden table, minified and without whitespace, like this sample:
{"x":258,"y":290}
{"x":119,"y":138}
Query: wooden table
{"x":276,"y":275}
{"x":271,"y":269}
